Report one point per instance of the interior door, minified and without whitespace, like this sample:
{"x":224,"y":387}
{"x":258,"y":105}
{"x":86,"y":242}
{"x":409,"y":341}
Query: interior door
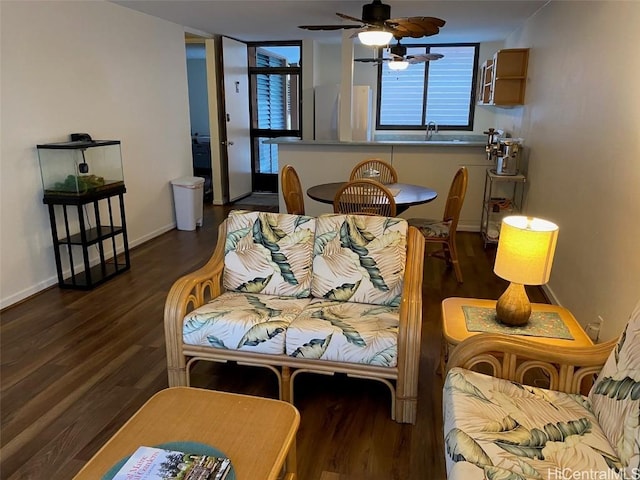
{"x":236,"y":114}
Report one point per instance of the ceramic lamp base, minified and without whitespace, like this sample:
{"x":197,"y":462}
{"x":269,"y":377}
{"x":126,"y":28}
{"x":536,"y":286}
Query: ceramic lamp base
{"x":513,"y":307}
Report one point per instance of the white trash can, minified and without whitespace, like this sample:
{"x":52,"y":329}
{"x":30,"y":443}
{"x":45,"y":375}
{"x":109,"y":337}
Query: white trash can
{"x":187,"y":197}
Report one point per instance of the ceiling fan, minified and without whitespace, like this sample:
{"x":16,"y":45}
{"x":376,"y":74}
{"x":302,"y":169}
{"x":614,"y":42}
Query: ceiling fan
{"x":377,"y":15}
{"x":399,"y":60}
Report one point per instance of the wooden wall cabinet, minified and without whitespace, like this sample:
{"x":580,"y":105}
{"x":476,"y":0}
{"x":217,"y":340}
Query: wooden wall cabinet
{"x":503,"y":78}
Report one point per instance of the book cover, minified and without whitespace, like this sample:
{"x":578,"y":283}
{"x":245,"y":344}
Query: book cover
{"x":149,"y":463}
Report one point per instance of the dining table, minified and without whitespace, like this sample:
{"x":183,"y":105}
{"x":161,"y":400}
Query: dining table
{"x":405,"y":194}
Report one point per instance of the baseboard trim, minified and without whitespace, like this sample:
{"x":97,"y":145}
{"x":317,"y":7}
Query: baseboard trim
{"x":39,"y":287}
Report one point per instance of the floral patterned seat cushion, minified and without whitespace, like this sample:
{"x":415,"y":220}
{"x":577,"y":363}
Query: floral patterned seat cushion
{"x":243,"y":321}
{"x":431,"y":228}
{"x":269,"y":253}
{"x":616,"y":396}
{"x":359,"y":258}
{"x":497,"y":429}
{"x":345,"y":332}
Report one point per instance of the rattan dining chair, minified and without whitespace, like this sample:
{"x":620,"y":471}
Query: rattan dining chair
{"x":292,"y":190}
{"x":444,"y":231}
{"x":388,"y":174}
{"x":365,"y":196}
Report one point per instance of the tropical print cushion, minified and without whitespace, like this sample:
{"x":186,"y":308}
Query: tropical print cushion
{"x":345,"y":332}
{"x":359,"y":258}
{"x":431,"y":228}
{"x":243,"y":321}
{"x":616,"y":396}
{"x":497,"y":429}
{"x":269,"y":253}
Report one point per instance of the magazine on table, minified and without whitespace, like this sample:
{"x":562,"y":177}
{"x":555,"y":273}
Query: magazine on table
{"x":150,"y":463}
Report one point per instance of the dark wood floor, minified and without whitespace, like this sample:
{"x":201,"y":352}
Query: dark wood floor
{"x":76,"y":365}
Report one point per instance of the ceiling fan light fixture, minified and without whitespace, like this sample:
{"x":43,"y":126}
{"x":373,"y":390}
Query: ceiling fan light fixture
{"x":375,"y":38}
{"x":398,"y":65}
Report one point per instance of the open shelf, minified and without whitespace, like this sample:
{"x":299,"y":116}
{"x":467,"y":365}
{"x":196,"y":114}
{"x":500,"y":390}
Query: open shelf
{"x":503,"y":195}
{"x":503,"y":78}
{"x":105,"y":236}
{"x":93,"y":235}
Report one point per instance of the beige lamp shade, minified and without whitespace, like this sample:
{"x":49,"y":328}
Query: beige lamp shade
{"x":525,"y":250}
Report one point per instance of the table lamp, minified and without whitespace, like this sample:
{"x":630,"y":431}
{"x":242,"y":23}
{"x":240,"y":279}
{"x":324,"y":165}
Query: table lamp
{"x":524,"y":257}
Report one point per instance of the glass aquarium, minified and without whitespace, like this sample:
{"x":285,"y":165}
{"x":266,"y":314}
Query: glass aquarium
{"x":79,"y":168}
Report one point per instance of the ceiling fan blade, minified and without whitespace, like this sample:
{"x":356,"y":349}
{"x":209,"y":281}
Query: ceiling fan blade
{"x":424,"y":57}
{"x":328,"y":27}
{"x":414,"y":27}
{"x":370,"y":60}
{"x":349,"y":17}
{"x":432,"y":21}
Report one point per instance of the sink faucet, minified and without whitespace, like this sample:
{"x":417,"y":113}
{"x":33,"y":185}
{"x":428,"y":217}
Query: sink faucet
{"x":432,"y":127}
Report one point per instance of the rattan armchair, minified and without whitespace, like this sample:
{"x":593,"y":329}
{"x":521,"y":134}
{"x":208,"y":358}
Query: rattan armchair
{"x":444,"y":231}
{"x":365,"y":197}
{"x":533,"y":411}
{"x":387,"y":172}
{"x":505,"y":356}
{"x":292,"y":190}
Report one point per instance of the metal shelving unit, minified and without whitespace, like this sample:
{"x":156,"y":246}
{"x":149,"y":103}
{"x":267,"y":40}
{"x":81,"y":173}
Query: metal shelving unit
{"x":103,"y":235}
{"x":503,"y":196}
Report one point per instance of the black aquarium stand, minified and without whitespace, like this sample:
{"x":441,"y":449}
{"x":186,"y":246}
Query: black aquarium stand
{"x":102,"y":234}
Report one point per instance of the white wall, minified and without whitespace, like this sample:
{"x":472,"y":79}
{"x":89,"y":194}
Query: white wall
{"x":327,"y":72}
{"x":91,"y":67}
{"x":581,"y":123}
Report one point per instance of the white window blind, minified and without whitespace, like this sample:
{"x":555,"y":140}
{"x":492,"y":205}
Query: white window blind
{"x":407,"y":100}
{"x":272,"y":95}
{"x":271,"y":106}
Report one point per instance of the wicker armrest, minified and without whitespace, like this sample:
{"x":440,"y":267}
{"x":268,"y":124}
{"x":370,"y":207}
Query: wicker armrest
{"x":410,"y":328}
{"x":188,"y":293}
{"x":511,"y":358}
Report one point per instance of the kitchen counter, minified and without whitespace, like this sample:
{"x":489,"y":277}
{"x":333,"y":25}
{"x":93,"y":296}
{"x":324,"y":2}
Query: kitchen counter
{"x":437,"y":139}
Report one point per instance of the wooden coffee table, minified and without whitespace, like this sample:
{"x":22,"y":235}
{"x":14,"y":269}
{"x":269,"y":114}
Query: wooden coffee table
{"x":454,"y":328}
{"x":256,"y":433}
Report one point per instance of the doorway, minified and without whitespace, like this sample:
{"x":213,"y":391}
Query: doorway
{"x":275,"y":82}
{"x":199,"y":114}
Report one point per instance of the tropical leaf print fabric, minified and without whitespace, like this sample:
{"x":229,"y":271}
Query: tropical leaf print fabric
{"x":353,"y":265}
{"x":616,"y":396}
{"x":431,"y":228}
{"x":243,"y":321}
{"x":359,"y":258}
{"x":497,"y":429}
{"x":269,"y":253}
{"x":345,"y":332}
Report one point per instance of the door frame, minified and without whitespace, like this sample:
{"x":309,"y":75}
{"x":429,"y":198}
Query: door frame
{"x":268,"y":182}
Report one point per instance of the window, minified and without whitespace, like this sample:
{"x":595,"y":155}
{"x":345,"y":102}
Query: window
{"x":274,"y":70}
{"x":439,"y":91}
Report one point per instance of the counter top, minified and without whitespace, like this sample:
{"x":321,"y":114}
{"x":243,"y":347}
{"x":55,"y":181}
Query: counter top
{"x":438,"y":140}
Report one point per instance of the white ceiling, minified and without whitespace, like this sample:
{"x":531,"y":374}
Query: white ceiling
{"x":264,"y":20}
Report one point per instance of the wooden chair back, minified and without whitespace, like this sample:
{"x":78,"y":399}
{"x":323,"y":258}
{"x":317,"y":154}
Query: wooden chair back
{"x":455,"y":199}
{"x":366,"y":197}
{"x":387,"y":172}
{"x":292,"y":190}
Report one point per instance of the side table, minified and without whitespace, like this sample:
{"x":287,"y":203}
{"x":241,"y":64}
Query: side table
{"x":454,"y":327}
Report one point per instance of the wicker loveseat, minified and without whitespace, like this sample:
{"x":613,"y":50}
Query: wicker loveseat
{"x":292,"y":293}
{"x":496,"y":427}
